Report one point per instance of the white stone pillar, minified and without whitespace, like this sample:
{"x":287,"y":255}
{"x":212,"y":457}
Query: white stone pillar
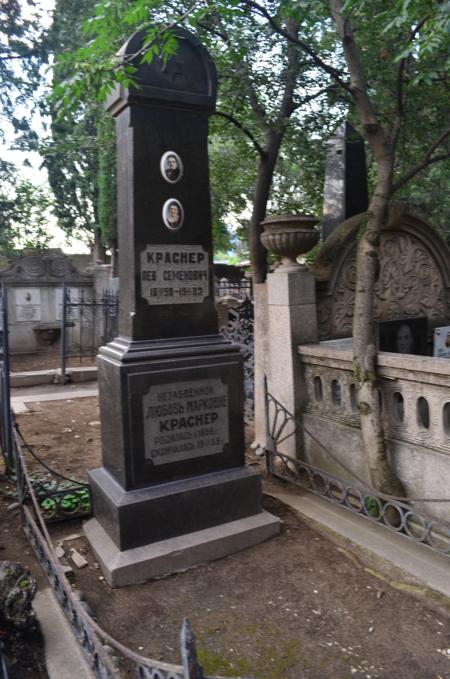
{"x":292,"y":320}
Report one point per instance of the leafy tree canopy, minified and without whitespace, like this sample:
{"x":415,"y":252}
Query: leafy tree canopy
{"x":24,"y":211}
{"x":22,"y":49}
{"x":403,"y":52}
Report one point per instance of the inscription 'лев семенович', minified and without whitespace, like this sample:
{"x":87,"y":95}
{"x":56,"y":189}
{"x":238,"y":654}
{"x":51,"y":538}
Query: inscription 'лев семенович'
{"x":174,"y":274}
{"x":184,"y":420}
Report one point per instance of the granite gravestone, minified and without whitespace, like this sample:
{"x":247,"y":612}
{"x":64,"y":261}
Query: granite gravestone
{"x":345,"y":191}
{"x":173,"y":490}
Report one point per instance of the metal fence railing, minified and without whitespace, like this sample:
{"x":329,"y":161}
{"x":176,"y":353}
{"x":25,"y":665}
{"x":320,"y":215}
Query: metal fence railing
{"x":239,"y":329}
{"x":108,"y":658}
{"x":242,"y":289}
{"x":87,"y":323}
{"x":397,"y":514}
{"x":6,"y":442}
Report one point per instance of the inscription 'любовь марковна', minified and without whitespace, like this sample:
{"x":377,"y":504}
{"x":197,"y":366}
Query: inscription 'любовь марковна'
{"x":174,"y":274}
{"x":185,"y":420}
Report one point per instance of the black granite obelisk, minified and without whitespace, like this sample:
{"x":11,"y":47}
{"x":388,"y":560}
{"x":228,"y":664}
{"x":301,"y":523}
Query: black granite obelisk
{"x":345,"y":191}
{"x":173,"y":490}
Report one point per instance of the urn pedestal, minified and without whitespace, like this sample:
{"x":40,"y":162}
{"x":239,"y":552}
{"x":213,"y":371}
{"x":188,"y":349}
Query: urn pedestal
{"x":289,"y":236}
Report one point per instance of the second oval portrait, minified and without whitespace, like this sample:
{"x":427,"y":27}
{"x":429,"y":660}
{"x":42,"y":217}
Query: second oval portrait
{"x":173,"y":214}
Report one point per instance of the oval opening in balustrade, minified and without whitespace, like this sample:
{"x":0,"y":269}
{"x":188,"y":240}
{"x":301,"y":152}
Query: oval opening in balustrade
{"x":399,"y":407}
{"x":336,"y":392}
{"x":446,"y":418}
{"x":318,"y":388}
{"x":423,"y":413}
{"x":353,"y":399}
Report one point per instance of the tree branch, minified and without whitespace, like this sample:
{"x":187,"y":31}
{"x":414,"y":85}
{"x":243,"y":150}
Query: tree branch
{"x":232,"y":119}
{"x":130,"y":57}
{"x":26,"y":55}
{"x":400,"y":82}
{"x":300,"y":43}
{"x":290,"y":74}
{"x":221,"y":32}
{"x":429,"y":159}
{"x":316,"y":95}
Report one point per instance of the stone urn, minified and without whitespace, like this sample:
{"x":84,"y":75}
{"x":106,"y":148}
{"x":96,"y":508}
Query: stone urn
{"x":289,"y":236}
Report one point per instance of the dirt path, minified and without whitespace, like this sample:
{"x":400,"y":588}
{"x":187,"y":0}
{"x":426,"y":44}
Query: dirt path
{"x":296,"y":607}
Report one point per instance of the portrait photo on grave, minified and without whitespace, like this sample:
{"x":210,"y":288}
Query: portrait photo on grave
{"x":173,"y":214}
{"x":403,"y":336}
{"x":171,"y":167}
{"x":441,"y":344}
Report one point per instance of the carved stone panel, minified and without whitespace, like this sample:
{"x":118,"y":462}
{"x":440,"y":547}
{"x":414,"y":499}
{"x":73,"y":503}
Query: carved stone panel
{"x":411,"y":283}
{"x":47,"y":267}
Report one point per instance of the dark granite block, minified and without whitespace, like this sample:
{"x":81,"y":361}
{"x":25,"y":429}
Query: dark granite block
{"x":140,"y":517}
{"x":170,"y":410}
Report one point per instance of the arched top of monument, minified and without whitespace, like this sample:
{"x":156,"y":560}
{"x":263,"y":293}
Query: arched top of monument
{"x":340,"y":244}
{"x":186,"y":80}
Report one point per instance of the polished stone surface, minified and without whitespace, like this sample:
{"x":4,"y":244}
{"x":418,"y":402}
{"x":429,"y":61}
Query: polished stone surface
{"x":204,"y":431}
{"x":171,"y":387}
{"x":345,"y":191}
{"x":137,"y":517}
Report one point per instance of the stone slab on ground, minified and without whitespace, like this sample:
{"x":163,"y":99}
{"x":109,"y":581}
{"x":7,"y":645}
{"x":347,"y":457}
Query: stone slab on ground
{"x":56,"y":392}
{"x":421,"y":563}
{"x":179,"y":553}
{"x":63,"y":656}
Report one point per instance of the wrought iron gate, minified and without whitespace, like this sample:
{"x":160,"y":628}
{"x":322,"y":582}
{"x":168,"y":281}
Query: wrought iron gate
{"x":87,"y":324}
{"x":240,"y":330}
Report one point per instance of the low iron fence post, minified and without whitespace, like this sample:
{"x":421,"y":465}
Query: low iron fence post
{"x":4,"y":376}
{"x":191,"y":668}
{"x":65,"y":295}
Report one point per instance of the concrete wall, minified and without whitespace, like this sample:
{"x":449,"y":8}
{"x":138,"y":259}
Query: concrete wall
{"x":419,"y":450}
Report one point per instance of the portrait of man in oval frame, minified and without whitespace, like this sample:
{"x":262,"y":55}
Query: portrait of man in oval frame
{"x":171,"y":167}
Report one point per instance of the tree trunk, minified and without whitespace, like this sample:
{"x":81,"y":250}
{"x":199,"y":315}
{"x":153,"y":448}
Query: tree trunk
{"x":98,"y":250}
{"x":114,"y":247}
{"x":364,"y":347}
{"x":368,"y":266}
{"x":258,"y":253}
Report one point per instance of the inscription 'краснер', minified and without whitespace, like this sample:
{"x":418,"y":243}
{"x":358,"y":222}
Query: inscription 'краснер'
{"x":185,"y":420}
{"x":174,"y":274}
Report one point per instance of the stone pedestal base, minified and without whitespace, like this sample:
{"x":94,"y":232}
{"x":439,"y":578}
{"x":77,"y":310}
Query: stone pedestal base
{"x":177,"y":554}
{"x":140,"y":517}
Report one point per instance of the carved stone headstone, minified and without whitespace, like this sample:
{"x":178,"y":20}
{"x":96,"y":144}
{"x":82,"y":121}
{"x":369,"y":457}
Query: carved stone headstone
{"x":171,"y":391}
{"x":345,"y":191}
{"x":414,"y":278}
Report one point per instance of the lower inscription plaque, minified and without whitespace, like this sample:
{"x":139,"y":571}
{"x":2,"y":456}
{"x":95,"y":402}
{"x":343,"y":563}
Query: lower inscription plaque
{"x":185,"y":420}
{"x":174,"y":274}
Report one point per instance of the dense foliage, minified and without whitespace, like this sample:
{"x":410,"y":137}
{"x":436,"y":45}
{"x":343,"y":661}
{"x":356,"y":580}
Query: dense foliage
{"x":23,"y":212}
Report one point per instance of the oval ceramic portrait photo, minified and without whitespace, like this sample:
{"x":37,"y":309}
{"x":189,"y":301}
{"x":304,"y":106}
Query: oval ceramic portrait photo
{"x":173,"y":214}
{"x":171,"y":167}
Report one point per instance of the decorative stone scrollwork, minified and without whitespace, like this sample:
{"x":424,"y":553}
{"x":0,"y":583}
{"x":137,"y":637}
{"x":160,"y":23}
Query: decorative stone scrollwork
{"x":47,"y":267}
{"x":411,"y":283}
